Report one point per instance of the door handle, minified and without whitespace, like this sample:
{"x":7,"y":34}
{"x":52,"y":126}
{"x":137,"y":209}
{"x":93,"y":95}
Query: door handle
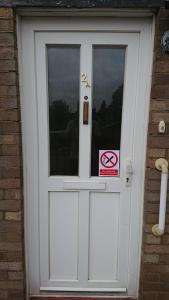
{"x":161,"y":164}
{"x":129,"y":172}
{"x":85,"y":112}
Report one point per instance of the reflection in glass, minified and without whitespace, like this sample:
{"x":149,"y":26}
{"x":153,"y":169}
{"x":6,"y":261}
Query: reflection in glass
{"x":108,"y":78}
{"x":63,"y":89}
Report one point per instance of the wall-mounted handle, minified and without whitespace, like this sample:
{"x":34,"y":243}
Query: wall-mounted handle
{"x":162,"y":165}
{"x":85,"y":112}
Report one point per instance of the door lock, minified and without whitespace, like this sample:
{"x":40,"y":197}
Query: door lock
{"x":129,"y":172}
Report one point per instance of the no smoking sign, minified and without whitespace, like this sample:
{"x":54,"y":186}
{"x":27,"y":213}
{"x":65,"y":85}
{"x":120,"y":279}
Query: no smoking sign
{"x":108,"y":163}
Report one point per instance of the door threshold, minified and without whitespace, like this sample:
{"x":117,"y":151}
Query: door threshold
{"x":81,"y":297}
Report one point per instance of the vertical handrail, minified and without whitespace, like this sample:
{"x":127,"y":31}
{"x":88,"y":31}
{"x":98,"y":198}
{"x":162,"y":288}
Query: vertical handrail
{"x":162,"y":165}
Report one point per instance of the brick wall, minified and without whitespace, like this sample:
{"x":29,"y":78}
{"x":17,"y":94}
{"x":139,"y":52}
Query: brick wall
{"x":11,"y":229}
{"x":155,"y":253}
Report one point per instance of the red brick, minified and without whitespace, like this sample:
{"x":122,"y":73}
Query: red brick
{"x":11,"y":246}
{"x":156,"y":153}
{"x":11,"y":256}
{"x":158,"y":116}
{"x":153,"y":185}
{"x":12,"y":266}
{"x":16,"y":295}
{"x":13,"y":216}
{"x":12,"y":150}
{"x":3,"y":295}
{"x":15,"y":275}
{"x":153,"y":277}
{"x":9,"y":115}
{"x":152,"y":197}
{"x":10,"y":205}
{"x":153,"y":129}
{"x":9,"y":161}
{"x":153,"y":240}
{"x":10,"y":183}
{"x":163,"y":14}
{"x":149,"y":296}
{"x":164,"y":277}
{"x":14,"y":194}
{"x":161,"y":79}
{"x":6,"y":39}
{"x":151,"y":258}
{"x":10,"y":236}
{"x":8,"y":90}
{"x":7,"y":64}
{"x":151,"y":207}
{"x":160,"y":105}
{"x":156,"y":286}
{"x":10,"y":226}
{"x":3,"y":275}
{"x":160,"y":91}
{"x":8,"y":103}
{"x":165,"y":239}
{"x":153,"y":174}
{"x":9,"y":139}
{"x":159,"y":142}
{"x":162,"y":296}
{"x":1,"y":194}
{"x":7,"y":53}
{"x":6,"y":25}
{"x":6,"y":13}
{"x":164,"y":259}
{"x":11,"y":172}
{"x":157,"y":249}
{"x":16,"y":285}
{"x":9,"y":127}
{"x":8,"y":78}
{"x":162,"y":66}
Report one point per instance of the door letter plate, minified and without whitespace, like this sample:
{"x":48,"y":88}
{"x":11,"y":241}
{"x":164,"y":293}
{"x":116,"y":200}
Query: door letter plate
{"x":85,"y":112}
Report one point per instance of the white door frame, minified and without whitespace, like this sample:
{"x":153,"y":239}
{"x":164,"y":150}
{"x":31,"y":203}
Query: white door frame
{"x":27,"y":28}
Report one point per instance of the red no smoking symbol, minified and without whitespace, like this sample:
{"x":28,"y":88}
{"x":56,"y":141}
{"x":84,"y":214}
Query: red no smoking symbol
{"x":109,"y":159}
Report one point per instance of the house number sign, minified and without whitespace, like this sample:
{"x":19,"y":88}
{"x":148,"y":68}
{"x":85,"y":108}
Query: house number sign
{"x":85,"y":80}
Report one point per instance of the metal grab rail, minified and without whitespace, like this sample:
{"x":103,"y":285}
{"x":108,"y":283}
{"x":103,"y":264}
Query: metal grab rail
{"x":162,"y":165}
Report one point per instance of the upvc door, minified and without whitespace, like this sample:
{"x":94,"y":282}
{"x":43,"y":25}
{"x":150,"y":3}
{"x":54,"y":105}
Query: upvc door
{"x":84,"y":218}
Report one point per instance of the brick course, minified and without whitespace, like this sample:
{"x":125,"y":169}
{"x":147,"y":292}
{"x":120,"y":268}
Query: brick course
{"x":11,"y":205}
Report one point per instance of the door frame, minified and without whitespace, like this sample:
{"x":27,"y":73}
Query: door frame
{"x":143,"y":26}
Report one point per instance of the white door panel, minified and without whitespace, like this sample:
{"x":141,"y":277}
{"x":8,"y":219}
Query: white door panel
{"x":84,"y":226}
{"x":63,"y":235}
{"x":104,"y":217}
{"x":103,"y":240}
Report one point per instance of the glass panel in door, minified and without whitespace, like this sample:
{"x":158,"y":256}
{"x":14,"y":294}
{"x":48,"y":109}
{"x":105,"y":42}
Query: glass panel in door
{"x":108,"y":79}
{"x":63,"y":90}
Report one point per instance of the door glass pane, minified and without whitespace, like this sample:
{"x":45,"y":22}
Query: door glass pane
{"x":108,"y":79}
{"x":63,"y":89}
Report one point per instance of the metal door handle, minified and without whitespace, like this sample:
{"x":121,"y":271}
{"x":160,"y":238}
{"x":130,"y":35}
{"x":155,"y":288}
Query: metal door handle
{"x":85,"y":112}
{"x":162,"y":165}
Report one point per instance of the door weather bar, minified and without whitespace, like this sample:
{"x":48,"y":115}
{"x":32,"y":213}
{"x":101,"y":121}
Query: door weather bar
{"x":64,"y":289}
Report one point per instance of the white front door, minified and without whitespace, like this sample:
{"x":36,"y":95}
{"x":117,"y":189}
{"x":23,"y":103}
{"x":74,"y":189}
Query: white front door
{"x":87,"y":115}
